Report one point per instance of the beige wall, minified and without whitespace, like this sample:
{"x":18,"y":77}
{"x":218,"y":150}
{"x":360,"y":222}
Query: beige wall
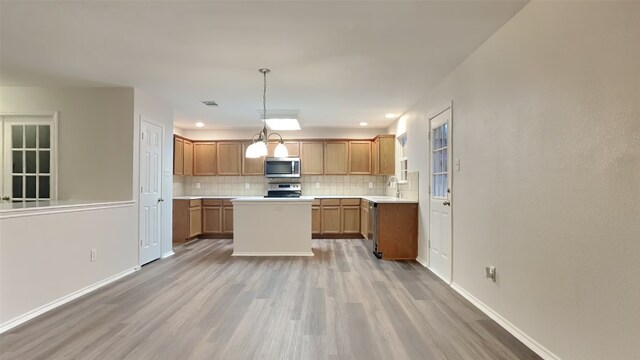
{"x":45,"y":257}
{"x":546,"y":123}
{"x":95,"y":137}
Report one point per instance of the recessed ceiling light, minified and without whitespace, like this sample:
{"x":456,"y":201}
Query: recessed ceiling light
{"x":283,"y":124}
{"x":391,"y":116}
{"x":199,"y":124}
{"x":363,"y":124}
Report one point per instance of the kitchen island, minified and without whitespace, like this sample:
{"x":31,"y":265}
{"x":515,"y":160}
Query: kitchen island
{"x":272,"y":226}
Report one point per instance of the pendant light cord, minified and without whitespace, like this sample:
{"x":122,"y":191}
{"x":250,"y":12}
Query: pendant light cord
{"x":264,"y":99}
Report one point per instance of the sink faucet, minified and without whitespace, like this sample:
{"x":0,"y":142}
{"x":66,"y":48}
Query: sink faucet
{"x":394,"y":179}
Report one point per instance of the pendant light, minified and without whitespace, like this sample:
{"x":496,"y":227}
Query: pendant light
{"x":258,"y":148}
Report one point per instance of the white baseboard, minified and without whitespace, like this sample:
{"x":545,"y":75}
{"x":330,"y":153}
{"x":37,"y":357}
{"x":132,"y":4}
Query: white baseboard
{"x":167,"y":254}
{"x":422,"y":262}
{"x":436,"y":273}
{"x":517,"y":333}
{"x":63,"y":300}
{"x":236,"y":253}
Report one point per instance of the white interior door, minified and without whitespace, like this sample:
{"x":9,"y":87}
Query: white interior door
{"x":151,"y":201}
{"x":440,"y":243}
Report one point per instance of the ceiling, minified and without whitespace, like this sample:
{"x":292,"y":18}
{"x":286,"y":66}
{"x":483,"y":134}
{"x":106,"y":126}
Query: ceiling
{"x":338,"y":62}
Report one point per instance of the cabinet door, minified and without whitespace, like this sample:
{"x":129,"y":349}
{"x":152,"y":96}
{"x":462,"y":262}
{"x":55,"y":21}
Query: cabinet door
{"x":360,"y":157}
{"x":293,"y":148}
{"x":229,"y":158}
{"x":188,"y":158}
{"x":364,"y":221}
{"x":204,"y":159}
{"x":251,"y":166}
{"x":227,"y":220}
{"x":212,"y":219}
{"x":387,"y":155}
{"x":351,"y":219}
{"x":331,"y":220}
{"x":335,"y":157}
{"x":311,"y":157}
{"x":195,"y":221}
{"x":178,"y":156}
{"x":375,"y":159}
{"x":316,"y":220}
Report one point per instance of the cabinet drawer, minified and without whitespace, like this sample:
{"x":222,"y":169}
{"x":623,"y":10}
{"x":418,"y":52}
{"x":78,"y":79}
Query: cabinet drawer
{"x":350,"y":202}
{"x":364,"y":203}
{"x":227,"y":202}
{"x":193,"y":203}
{"x":315,"y":202}
{"x":211,"y":202}
{"x":330,"y":202}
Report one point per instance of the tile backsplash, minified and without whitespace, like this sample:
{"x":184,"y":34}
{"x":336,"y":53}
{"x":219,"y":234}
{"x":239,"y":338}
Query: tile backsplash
{"x":257,"y":185}
{"x":408,"y":190}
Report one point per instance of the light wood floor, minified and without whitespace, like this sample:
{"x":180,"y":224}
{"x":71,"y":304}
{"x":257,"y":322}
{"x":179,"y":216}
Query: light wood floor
{"x":202,"y":304}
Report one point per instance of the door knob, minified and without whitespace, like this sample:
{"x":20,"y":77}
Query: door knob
{"x":160,"y":200}
{"x":6,"y":198}
{"x":446,"y":203}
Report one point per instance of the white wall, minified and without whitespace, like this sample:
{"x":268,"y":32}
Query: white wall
{"x":306,"y":133}
{"x":546,"y":124}
{"x":161,"y":114}
{"x":94,"y":137}
{"x":45,"y":257}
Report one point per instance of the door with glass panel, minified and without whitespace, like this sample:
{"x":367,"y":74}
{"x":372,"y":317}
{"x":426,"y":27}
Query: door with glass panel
{"x":28,"y":166}
{"x":440,"y":241}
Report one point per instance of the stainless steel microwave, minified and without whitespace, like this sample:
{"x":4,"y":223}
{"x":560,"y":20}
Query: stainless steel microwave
{"x":282,"y":167}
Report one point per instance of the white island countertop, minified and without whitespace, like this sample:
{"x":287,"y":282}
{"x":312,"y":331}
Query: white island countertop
{"x":372,"y":198}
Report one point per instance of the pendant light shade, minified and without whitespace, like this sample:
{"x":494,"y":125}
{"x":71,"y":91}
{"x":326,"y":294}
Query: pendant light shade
{"x":281,"y":150}
{"x":256,"y":150}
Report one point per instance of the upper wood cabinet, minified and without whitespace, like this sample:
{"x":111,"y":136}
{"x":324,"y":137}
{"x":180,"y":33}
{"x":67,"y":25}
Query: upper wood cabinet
{"x":229,"y":158}
{"x":384,"y":155}
{"x":188,"y":158}
{"x":204,"y":158}
{"x":336,"y":157}
{"x":360,"y":157}
{"x":178,"y":156}
{"x":293,"y":148}
{"x":182,"y":156}
{"x":311,"y":157}
{"x":251,"y":166}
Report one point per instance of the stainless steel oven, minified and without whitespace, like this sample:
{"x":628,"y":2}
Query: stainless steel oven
{"x":282,"y":167}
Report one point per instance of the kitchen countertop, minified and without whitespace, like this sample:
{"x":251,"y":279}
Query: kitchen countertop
{"x":375,"y":199}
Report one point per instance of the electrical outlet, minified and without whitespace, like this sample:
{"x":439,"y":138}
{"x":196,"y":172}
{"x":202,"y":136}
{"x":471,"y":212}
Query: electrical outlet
{"x":93,"y":255}
{"x":370,"y":185}
{"x":247,"y":186}
{"x":317,"y":185}
{"x":490,"y":273}
{"x":197,"y":185}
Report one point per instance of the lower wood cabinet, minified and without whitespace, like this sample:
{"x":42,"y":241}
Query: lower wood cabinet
{"x":187,"y":219}
{"x":364,"y":219}
{"x":212,"y":217}
{"x":397,"y":226}
{"x":227,"y":217}
{"x":316,"y":218}
{"x":331,"y":218}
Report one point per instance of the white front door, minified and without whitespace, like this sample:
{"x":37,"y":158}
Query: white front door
{"x":150,"y":191}
{"x":440,"y":198}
